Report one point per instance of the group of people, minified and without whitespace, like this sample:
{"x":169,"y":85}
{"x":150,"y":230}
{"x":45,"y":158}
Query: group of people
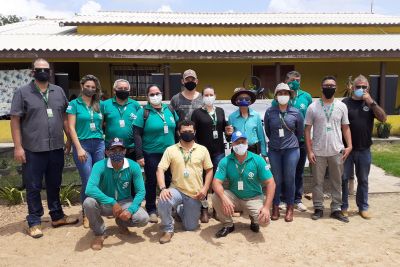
{"x":181,"y":149}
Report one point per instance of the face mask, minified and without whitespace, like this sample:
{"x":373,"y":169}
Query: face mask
{"x":243,"y":103}
{"x":117,"y":156}
{"x":359,"y":93}
{"x":187,"y":137}
{"x":209,"y":100}
{"x":328,"y":92}
{"x":190,"y":85}
{"x":88,"y":92}
{"x":42,"y":75}
{"x":283,"y":99}
{"x":155,"y":100}
{"x":294,"y":85}
{"x":240,"y":149}
{"x":122,"y":94}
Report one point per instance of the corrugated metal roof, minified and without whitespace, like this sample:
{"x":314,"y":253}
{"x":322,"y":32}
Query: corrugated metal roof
{"x":36,"y":26}
{"x":232,"y":19}
{"x":201,"y":43}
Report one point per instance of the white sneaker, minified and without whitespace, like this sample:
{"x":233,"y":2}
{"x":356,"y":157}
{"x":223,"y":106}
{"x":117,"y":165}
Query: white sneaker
{"x":300,"y":207}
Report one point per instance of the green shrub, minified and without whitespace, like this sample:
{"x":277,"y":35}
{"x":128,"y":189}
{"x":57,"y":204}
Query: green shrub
{"x":69,"y":195}
{"x":12,"y":195}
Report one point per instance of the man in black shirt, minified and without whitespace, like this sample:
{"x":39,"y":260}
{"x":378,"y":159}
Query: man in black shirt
{"x":362,"y":111}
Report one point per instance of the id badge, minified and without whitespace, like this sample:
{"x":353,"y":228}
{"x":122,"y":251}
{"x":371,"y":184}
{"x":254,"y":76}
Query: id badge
{"x":328,"y":126}
{"x":165,"y":129}
{"x":186,"y":173}
{"x":121,"y":123}
{"x":281,"y":133}
{"x":92,"y":126}
{"x":49,"y":113}
{"x":215,"y":134}
{"x":240,"y":185}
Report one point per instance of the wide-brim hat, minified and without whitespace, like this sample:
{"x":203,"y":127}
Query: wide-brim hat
{"x":239,"y":91}
{"x":284,"y":87}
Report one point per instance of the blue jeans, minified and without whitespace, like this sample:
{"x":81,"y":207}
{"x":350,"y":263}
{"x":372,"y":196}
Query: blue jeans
{"x":298,"y":180}
{"x":95,"y":151}
{"x":215,"y":160}
{"x":361,"y":159}
{"x":283,"y":165}
{"x":151,"y":161}
{"x":49,"y":164}
{"x":186,"y":207}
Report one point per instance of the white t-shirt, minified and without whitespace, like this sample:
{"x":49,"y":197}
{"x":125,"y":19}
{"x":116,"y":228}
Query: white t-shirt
{"x":327,"y":135}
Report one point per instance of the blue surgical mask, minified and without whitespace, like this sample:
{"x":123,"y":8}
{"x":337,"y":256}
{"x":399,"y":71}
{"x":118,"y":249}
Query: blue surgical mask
{"x":243,"y":103}
{"x":117,"y":156}
{"x":359,"y":93}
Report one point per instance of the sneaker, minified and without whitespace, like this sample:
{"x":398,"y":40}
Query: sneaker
{"x":85,"y":222}
{"x":97,"y":243}
{"x":35,"y":231}
{"x":300,"y":207}
{"x":153,"y":218}
{"x":66,"y":220}
{"x":365,"y":214}
{"x":318,"y":213}
{"x":166,"y":237}
{"x":337,"y":214}
{"x":345,"y":213}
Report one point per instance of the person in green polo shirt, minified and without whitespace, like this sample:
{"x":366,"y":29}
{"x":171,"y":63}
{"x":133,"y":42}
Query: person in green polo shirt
{"x":85,"y":127}
{"x":119,"y":113}
{"x":247,"y":173}
{"x":154,"y":129}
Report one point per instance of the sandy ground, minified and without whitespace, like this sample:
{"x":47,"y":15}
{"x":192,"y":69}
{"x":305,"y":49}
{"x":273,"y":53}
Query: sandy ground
{"x":326,"y":242}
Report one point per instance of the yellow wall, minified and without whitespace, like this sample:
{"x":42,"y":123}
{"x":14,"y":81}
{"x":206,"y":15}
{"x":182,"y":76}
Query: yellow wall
{"x":101,"y":71}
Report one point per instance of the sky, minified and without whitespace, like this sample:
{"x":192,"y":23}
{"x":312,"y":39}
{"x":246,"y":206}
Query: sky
{"x":67,"y":8}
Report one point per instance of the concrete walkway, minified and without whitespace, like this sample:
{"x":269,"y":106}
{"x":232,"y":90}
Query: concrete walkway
{"x":379,"y":182}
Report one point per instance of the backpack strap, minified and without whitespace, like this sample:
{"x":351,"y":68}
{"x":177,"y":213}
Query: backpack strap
{"x":146,"y":113}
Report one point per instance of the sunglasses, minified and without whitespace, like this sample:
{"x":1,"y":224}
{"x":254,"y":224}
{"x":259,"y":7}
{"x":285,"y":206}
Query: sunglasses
{"x":361,"y":87}
{"x":244,"y":98}
{"x":156,"y":94}
{"x":42,"y":70}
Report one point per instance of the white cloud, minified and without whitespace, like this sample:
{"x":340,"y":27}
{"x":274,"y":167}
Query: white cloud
{"x":327,"y":6}
{"x":31,"y":9}
{"x":164,"y":8}
{"x":90,"y":7}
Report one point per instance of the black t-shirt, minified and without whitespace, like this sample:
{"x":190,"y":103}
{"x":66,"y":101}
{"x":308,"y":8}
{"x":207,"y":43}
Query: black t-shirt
{"x":205,"y":128}
{"x":361,"y":119}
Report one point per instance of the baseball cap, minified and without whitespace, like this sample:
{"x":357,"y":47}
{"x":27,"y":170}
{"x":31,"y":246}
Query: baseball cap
{"x":237,"y":135}
{"x":189,"y":73}
{"x":116,"y":142}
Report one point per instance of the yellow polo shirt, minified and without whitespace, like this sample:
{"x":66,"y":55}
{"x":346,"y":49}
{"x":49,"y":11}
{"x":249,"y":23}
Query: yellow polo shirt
{"x":200,"y":160}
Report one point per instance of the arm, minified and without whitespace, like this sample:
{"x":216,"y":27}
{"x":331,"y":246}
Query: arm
{"x":140,"y":191}
{"x":207,"y":182}
{"x":307,"y":139}
{"x":266,"y":124}
{"x":299,"y":126}
{"x":261,"y":137}
{"x":138,"y":133}
{"x":74,"y":137}
{"x":66,"y":131}
{"x":92,"y":188}
{"x":347,"y":138}
{"x":379,"y":113}
{"x":263,"y":214}
{"x":165,"y":194}
{"x":19,"y":152}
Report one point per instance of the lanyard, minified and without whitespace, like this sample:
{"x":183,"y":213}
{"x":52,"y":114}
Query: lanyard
{"x":282,"y":118}
{"x":90,"y":110}
{"x":213,"y":116}
{"x":162,"y":116}
{"x":328,"y":114}
{"x":187,"y":158}
{"x":44,"y":95}
{"x":240,"y":171}
{"x":121,"y":113}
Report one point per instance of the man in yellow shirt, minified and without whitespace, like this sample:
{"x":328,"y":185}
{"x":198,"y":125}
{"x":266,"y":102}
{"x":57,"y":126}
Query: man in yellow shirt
{"x":187,"y":161}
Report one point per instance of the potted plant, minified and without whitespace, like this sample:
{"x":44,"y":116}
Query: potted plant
{"x":383,"y":129}
{"x":4,"y":167}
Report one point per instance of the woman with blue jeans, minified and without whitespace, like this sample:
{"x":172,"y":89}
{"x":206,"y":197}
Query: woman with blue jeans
{"x":85,"y":127}
{"x":284,"y":127}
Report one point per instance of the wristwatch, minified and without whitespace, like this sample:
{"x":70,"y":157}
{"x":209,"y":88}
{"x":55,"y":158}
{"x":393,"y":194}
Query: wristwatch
{"x":373,"y":104}
{"x":162,"y":188}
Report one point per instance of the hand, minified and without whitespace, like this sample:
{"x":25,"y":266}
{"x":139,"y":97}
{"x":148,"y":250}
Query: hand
{"x":263,"y":216}
{"x":82,"y":157}
{"x":125,"y":215}
{"x":367,"y":98}
{"x":228,"y":206}
{"x":165,"y":194}
{"x":346,"y":153}
{"x":266,"y":159}
{"x":19,"y":155}
{"x":140,"y":162}
{"x":67,"y":148}
{"x":116,"y":210}
{"x":311,"y":157}
{"x":201,"y":194}
{"x":229,"y":130}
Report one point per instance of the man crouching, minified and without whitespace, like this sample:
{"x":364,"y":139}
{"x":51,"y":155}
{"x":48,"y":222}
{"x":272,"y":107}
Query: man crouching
{"x":109,"y":193}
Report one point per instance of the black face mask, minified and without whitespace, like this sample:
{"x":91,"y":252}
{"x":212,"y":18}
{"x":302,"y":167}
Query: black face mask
{"x":328,"y":92}
{"x":187,"y":137}
{"x":42,"y":75}
{"x":190,"y":85}
{"x":123,"y":95}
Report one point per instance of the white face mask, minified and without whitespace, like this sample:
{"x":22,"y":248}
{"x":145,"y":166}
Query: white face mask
{"x":240,"y":149}
{"x":283,"y":99}
{"x":155,"y":100}
{"x":209,"y":100}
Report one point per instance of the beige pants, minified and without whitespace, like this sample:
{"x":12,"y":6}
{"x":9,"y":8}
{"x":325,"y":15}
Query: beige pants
{"x":251,"y":207}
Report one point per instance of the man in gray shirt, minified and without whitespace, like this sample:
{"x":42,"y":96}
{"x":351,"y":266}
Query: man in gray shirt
{"x":328,"y":117}
{"x":37,"y":122}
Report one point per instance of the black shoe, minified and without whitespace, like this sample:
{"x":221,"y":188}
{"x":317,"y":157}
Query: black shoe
{"x":224,"y":231}
{"x":339,"y":216}
{"x":317,"y":214}
{"x":255,"y":227}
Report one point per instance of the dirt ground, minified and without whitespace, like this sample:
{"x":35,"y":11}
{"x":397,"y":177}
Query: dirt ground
{"x":326,"y":242}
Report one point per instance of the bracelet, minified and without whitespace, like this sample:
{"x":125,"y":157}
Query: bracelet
{"x":162,"y":188}
{"x":373,"y":104}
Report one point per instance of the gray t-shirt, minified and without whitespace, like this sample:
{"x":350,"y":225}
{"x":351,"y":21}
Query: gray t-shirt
{"x":185,"y":107}
{"x":327,"y":135}
{"x":39,"y":131}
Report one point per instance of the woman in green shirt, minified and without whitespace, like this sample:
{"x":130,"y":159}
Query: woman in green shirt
{"x":85,"y":127}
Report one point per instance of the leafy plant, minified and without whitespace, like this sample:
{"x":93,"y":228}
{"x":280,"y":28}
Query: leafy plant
{"x":3,"y":164}
{"x":383,"y":129}
{"x":69,"y":194}
{"x":12,"y":195}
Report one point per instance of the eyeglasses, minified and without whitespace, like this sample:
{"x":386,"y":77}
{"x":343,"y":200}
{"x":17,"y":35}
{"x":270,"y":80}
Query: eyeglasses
{"x":156,"y":94}
{"x":42,"y":70}
{"x":361,"y":86}
{"x":245,"y":98}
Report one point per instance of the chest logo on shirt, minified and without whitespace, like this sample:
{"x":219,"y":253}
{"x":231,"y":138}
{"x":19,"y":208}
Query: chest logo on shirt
{"x":132,"y":116}
{"x":125,"y":185}
{"x":69,"y":107}
{"x":251,"y":175}
{"x":302,"y":106}
{"x":366,"y":108}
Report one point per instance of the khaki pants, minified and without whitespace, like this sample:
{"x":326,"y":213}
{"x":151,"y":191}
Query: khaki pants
{"x":251,"y":207}
{"x":335,"y":167}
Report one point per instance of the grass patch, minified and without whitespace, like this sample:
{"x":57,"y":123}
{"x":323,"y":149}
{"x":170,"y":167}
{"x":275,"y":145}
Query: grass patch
{"x":387,"y":157}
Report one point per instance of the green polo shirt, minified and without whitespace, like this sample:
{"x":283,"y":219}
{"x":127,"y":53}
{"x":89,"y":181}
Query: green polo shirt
{"x":119,"y":118}
{"x":255,"y":172}
{"x":84,"y":117}
{"x":154,"y":140}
